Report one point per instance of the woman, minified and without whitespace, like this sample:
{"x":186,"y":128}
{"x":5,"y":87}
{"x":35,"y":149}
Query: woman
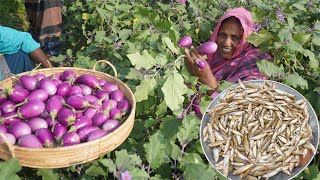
{"x":20,"y":52}
{"x":235,"y":58}
{"x":45,"y":20}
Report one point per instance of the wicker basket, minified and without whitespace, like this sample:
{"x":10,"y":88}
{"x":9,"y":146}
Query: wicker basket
{"x":77,"y":154}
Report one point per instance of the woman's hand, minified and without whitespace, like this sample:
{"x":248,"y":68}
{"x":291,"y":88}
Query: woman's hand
{"x":205,"y":75}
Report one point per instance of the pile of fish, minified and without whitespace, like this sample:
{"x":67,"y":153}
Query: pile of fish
{"x":258,"y":131}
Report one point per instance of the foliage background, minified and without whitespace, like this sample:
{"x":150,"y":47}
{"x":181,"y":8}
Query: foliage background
{"x":140,"y":38}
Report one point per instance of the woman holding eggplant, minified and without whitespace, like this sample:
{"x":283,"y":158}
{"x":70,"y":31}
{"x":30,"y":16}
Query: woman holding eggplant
{"x":234,"y":58}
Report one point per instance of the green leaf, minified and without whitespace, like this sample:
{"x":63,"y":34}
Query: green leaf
{"x":161,"y":59}
{"x":138,"y":174}
{"x":144,"y":60}
{"x":258,"y":38}
{"x":317,"y":25}
{"x":101,"y":36}
{"x":189,"y":129}
{"x":59,"y":58}
{"x":171,"y":45}
{"x":301,"y":37}
{"x":269,"y":68}
{"x":108,"y":163}
{"x":224,"y":85}
{"x":290,"y":22}
{"x":192,"y":158}
{"x":156,"y":177}
{"x":95,"y":171}
{"x":162,"y":108}
{"x":198,"y":171}
{"x":134,"y":74}
{"x":155,"y":150}
{"x":169,"y":127}
{"x":124,"y":33}
{"x":48,"y":174}
{"x":312,"y":171}
{"x":175,"y":152}
{"x":294,"y":46}
{"x":284,"y":34}
{"x":296,"y":80}
{"x":8,"y":169}
{"x":124,"y":7}
{"x":317,"y":89}
{"x":316,"y":38}
{"x":313,"y":63}
{"x":125,"y":161}
{"x":173,"y":90}
{"x":205,"y":101}
{"x":145,"y":88}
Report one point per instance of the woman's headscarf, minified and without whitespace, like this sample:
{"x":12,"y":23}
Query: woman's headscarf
{"x":215,"y":60}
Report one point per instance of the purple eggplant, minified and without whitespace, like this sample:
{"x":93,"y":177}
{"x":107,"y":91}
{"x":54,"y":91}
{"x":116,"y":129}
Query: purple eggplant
{"x":29,"y":82}
{"x":124,"y":105}
{"x":38,"y":94}
{"x":18,"y":95}
{"x":10,"y":118}
{"x":207,"y":48}
{"x":109,"y":87}
{"x":96,"y":134}
{"x":48,"y":85}
{"x":115,"y":113}
{"x":78,"y":114}
{"x":39,"y":76}
{"x":81,"y":122}
{"x":55,"y":76}
{"x":63,"y":89}
{"x":59,"y":131}
{"x":66,"y":117}
{"x":45,"y":137}
{"x":102,"y":95}
{"x":101,"y":82}
{"x":3,"y":95}
{"x":11,"y":139}
{"x":86,"y":90}
{"x":75,"y":90}
{"x":53,"y":106}
{"x":50,"y":123}
{"x":8,"y":106}
{"x":37,"y":123}
{"x":89,"y":80}
{"x":111,"y":125}
{"x":68,"y":75}
{"x":77,"y":102}
{"x":186,"y":41}
{"x":90,"y":98}
{"x":85,"y":131}
{"x":30,"y":141}
{"x":90,"y":112}
{"x":108,"y":104}
{"x":70,"y":138}
{"x":3,"y":128}
{"x":31,"y":109}
{"x":100,"y":118}
{"x":117,"y":95}
{"x":19,"y":129}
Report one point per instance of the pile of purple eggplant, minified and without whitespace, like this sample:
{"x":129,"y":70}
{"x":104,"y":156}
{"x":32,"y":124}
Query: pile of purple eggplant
{"x":62,"y":109}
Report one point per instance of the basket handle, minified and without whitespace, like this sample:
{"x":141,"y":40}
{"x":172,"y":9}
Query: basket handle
{"x":107,"y":62}
{"x":10,"y":147}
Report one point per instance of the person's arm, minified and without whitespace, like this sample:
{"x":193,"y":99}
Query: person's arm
{"x":39,"y":56}
{"x":12,"y":40}
{"x":205,"y":75}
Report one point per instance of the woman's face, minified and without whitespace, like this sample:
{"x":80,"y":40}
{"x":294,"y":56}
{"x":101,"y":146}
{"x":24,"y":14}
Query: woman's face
{"x":229,"y":35}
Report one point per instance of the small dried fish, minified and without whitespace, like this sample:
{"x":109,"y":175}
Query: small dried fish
{"x":258,"y":131}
